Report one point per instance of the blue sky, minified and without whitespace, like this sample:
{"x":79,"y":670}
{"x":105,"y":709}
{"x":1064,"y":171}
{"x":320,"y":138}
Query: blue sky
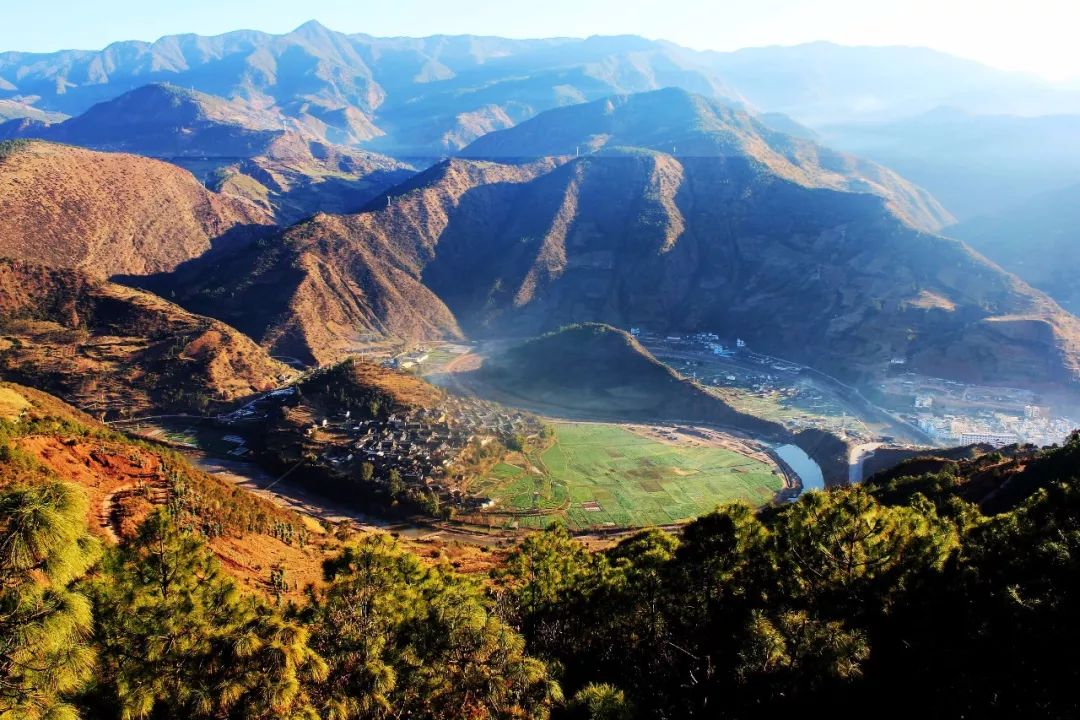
{"x":1030,"y":35}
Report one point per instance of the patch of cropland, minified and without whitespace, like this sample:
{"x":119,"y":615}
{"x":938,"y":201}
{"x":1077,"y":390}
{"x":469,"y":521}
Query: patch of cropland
{"x":599,"y":371}
{"x":594,"y":476}
{"x":109,"y":213}
{"x":121,"y":352}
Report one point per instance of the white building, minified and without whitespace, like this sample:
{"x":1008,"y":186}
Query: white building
{"x":988,"y":438}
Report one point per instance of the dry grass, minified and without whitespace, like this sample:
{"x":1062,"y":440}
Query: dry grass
{"x":108,"y":213}
{"x":12,"y":404}
{"x":118,"y":350}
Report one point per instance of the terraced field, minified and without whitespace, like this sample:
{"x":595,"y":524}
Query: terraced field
{"x":596,"y":476}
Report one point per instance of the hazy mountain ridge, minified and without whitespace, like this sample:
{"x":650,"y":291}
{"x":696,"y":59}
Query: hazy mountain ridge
{"x":973,"y":164}
{"x":1038,"y":239}
{"x":430,"y":96}
{"x":433,"y":94}
{"x":686,"y":125}
{"x":822,"y":83}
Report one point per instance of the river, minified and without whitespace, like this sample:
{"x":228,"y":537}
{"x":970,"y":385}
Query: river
{"x":809,"y":472}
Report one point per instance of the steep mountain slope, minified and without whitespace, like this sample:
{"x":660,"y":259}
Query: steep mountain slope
{"x":687,"y":125}
{"x":686,"y":244}
{"x":596,"y":368}
{"x":974,"y":164}
{"x":123,"y":480}
{"x":110,"y":213}
{"x":15,"y":110}
{"x":313,"y":292}
{"x":119,"y":351}
{"x":721,"y":242}
{"x":1038,"y":239}
{"x":233,"y":147}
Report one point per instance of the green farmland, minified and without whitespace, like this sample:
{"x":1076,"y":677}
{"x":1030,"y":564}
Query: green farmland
{"x":596,"y":476}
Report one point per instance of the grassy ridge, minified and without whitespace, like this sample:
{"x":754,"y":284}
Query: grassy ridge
{"x":601,"y":371}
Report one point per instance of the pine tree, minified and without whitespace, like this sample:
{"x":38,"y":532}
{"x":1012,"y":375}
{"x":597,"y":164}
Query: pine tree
{"x":404,"y":640}
{"x":45,"y":623}
{"x":178,"y":639}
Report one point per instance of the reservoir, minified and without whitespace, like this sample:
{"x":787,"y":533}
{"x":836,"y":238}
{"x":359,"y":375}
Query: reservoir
{"x":807,"y":470}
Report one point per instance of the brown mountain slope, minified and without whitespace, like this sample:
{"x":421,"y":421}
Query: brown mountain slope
{"x":687,"y":125}
{"x":233,"y":146}
{"x":645,"y":239}
{"x":111,"y":214}
{"x":315,"y":290}
{"x":122,"y":480}
{"x":294,"y":178}
{"x":689,"y":244}
{"x":120,"y":351}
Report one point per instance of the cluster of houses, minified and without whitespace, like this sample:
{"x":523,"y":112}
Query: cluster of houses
{"x":422,"y":444}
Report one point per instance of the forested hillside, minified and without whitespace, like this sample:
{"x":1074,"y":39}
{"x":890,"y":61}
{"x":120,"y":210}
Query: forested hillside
{"x":820,"y":607}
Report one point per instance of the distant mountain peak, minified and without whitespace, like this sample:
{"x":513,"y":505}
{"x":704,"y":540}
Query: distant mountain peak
{"x":687,"y":125}
{"x":313,"y":28}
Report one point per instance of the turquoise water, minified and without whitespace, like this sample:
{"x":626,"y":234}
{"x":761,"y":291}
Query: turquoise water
{"x":807,"y":470}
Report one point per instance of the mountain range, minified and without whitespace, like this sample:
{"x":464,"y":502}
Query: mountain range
{"x":744,"y":235}
{"x":663,"y":208}
{"x":430,"y":96}
{"x":229,"y":146}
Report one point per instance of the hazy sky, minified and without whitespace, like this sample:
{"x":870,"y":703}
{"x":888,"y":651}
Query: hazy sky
{"x":1034,"y":35}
